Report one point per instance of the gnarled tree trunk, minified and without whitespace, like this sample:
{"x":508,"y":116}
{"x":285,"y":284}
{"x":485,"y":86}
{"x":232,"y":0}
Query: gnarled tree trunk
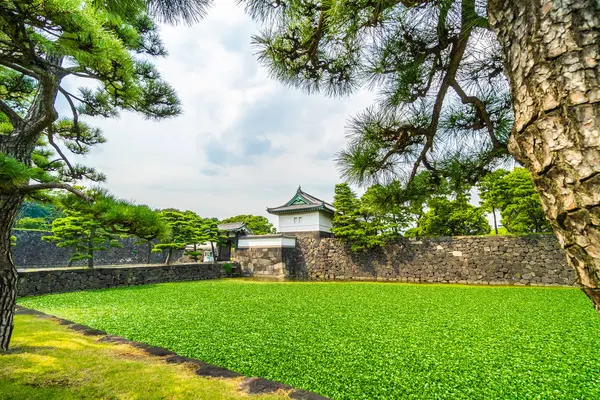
{"x":10,"y":202}
{"x":9,"y":206}
{"x":552,"y":59}
{"x":20,"y":144}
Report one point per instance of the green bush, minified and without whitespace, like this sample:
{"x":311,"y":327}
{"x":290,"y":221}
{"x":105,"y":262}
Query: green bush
{"x":33,"y":223}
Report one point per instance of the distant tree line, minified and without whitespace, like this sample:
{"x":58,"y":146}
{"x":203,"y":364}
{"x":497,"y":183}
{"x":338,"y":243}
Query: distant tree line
{"x":437,"y":206}
{"x":97,"y":224}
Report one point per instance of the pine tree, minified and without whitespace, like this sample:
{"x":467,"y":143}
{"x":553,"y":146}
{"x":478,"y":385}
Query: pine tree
{"x":463,"y":82}
{"x":493,"y":193}
{"x":42,"y":45}
{"x":84,"y":234}
{"x":209,"y":232}
{"x":139,"y":221}
{"x":96,"y":225}
{"x":345,"y":221}
{"x":355,"y":223}
{"x":181,"y":231}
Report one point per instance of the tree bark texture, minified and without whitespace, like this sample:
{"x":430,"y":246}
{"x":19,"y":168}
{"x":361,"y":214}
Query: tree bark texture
{"x":21,"y":150}
{"x":552,"y":59}
{"x":9,"y":206}
{"x":20,"y":144}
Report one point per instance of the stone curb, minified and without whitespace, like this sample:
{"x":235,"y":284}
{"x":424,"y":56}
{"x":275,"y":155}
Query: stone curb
{"x":253,"y":385}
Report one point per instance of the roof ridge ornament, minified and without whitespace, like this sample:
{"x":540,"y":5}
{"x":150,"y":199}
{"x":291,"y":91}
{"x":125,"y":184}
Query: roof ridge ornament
{"x":299,"y":189}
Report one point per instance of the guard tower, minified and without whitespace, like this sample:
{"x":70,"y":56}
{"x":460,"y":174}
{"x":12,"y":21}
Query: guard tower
{"x":304,"y":214}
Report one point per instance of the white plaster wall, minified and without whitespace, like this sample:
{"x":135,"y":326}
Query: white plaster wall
{"x":309,"y":223}
{"x":324,"y":222}
{"x":265,"y":242}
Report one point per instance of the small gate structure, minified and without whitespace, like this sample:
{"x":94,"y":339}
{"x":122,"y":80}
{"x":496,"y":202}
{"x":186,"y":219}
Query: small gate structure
{"x":233,"y":231}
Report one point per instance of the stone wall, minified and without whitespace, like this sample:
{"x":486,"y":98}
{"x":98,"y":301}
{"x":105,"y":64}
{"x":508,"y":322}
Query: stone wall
{"x":262,"y":262}
{"x":32,"y":252}
{"x":75,"y":279}
{"x":529,"y":260}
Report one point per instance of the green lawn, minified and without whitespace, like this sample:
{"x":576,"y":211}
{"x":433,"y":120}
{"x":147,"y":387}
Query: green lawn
{"x":364,"y":340}
{"x":47,"y":361}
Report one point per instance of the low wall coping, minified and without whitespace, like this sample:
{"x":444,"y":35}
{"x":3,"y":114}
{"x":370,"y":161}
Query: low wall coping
{"x":125,"y":266}
{"x":273,"y":235}
{"x":266,"y":241}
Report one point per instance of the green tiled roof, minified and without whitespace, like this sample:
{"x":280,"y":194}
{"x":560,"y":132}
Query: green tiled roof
{"x":302,"y":202}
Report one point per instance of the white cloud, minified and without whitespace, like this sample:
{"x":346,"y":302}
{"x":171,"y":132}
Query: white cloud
{"x":244,"y":141}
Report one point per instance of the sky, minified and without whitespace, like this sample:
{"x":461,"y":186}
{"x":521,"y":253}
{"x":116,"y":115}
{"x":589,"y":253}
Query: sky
{"x":244,"y":141}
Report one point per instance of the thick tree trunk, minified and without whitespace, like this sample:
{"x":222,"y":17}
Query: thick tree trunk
{"x":9,"y":206}
{"x":10,"y":202}
{"x":20,"y":144}
{"x":552,"y":59}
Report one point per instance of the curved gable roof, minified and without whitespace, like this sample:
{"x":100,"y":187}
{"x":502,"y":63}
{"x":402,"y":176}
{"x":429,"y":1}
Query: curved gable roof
{"x":302,"y":202}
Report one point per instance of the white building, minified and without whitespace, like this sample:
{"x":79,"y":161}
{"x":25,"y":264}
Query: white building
{"x":304,"y":213}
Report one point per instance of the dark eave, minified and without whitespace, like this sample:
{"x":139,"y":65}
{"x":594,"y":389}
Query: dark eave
{"x":302,"y":202}
{"x":297,"y":209}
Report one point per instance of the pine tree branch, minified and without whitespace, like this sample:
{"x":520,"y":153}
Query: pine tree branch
{"x":402,"y":136}
{"x":312,"y":51}
{"x":477,"y":103}
{"x":19,"y":68}
{"x":52,"y":143}
{"x":42,"y":113}
{"x":53,"y":185}
{"x":79,"y":99}
{"x":74,"y":111}
{"x":82,"y":73}
{"x":15,"y":118}
{"x":456,"y":54}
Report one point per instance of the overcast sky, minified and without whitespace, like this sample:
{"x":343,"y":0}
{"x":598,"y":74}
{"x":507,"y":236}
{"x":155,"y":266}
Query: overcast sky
{"x":244,"y":141}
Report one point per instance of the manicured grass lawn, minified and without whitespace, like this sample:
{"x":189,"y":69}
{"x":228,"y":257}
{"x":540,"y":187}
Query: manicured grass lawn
{"x":47,"y":361}
{"x":364,"y":340}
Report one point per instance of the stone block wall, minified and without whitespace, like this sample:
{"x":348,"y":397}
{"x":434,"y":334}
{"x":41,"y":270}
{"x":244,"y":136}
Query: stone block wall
{"x":74,"y":279}
{"x":32,"y":252}
{"x":261,"y":262}
{"x":529,"y":260}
